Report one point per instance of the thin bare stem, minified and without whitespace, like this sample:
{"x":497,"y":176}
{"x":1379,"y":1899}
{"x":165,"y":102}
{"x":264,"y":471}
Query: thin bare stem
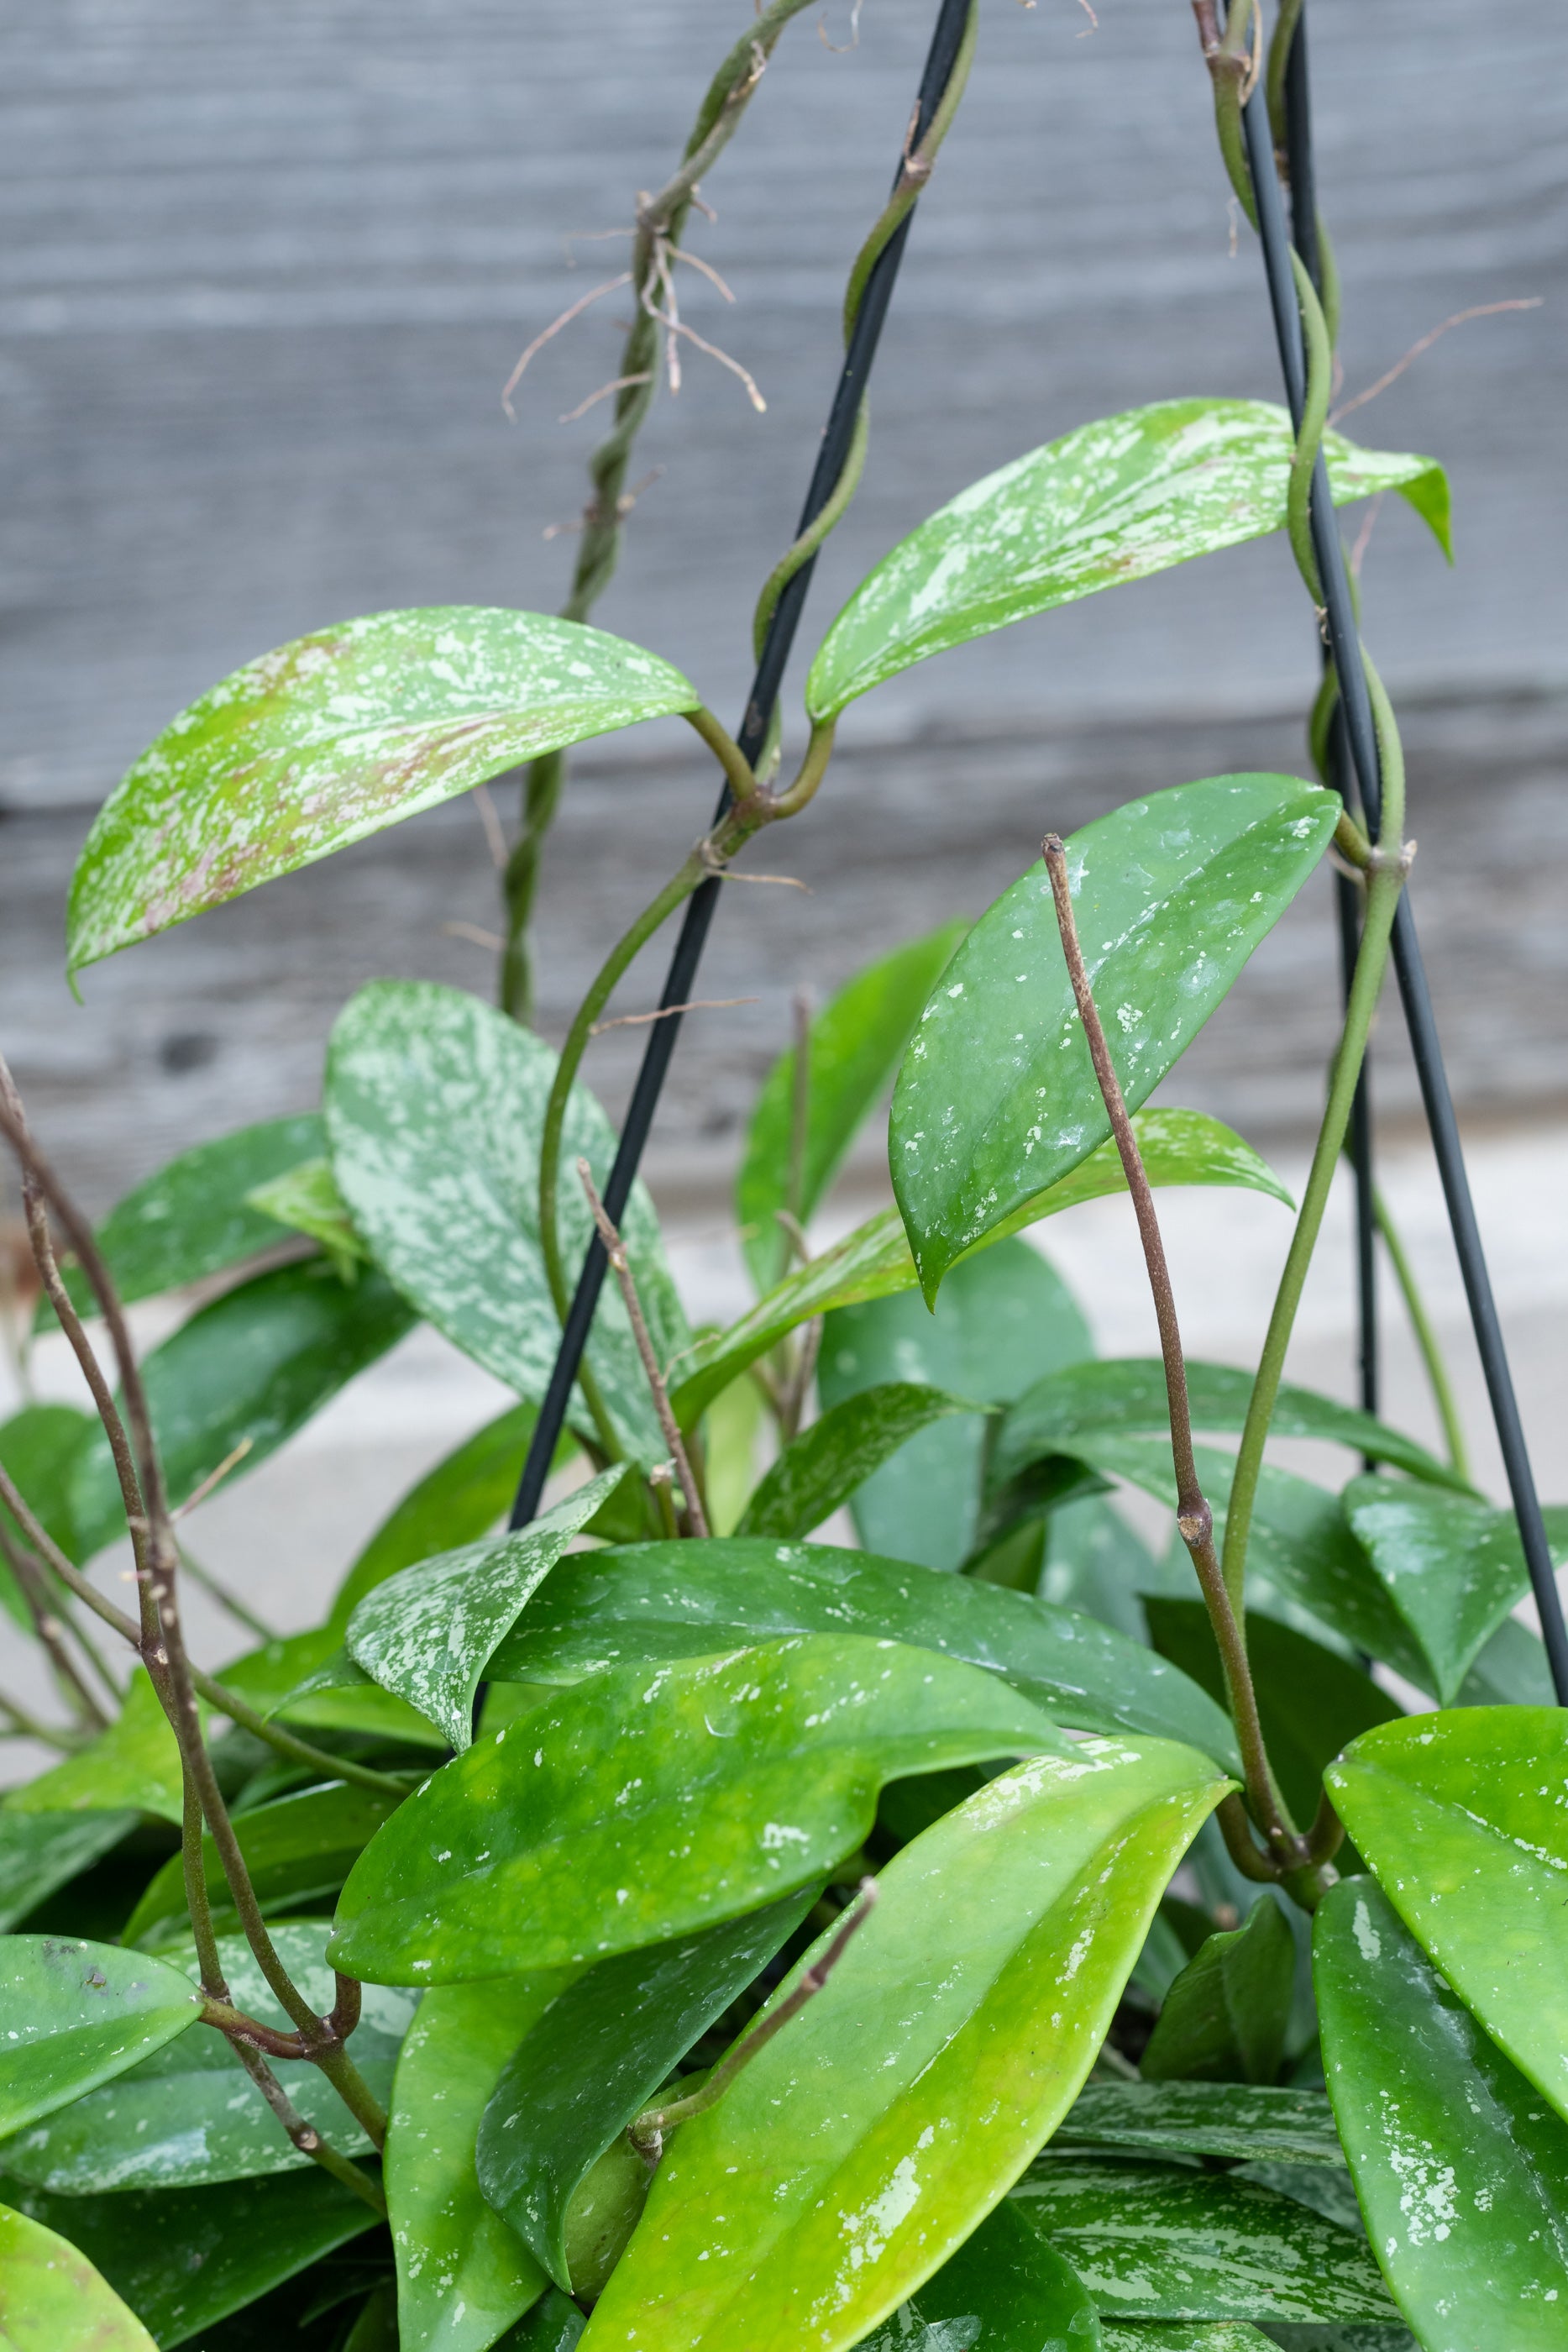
{"x":1427,"y":1339}
{"x":305,"y":2137}
{"x":668,"y":1011}
{"x":50,"y":1632}
{"x":615,"y":1250}
{"x":1425,"y":343}
{"x":230,"y":1602}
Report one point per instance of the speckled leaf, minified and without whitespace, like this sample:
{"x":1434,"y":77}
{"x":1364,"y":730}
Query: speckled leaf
{"x":1179,"y":1147}
{"x":185,"y":2258}
{"x":996,"y":1098}
{"x":135,"y":1762}
{"x":641,"y":1805}
{"x":1005,"y":2290}
{"x":821,"y":1468}
{"x":310,"y":1679}
{"x":1116,"y":500}
{"x":1167,"y":2242}
{"x":74,"y":2014}
{"x":1223,"y":2335}
{"x":435,"y":1104}
{"x":685,"y":1599}
{"x":1460,"y":2167}
{"x":40,"y":1852}
{"x":463,"y":2275}
{"x":962,"y":2019}
{"x":1248,"y":2122}
{"x":298,"y":1850}
{"x":1004,"y":1317}
{"x":1224,"y":2020}
{"x":189,"y":2114}
{"x":256,"y":1364}
{"x":856,"y":1043}
{"x":426,"y":1633}
{"x":337,"y":735}
{"x":1453,"y":1567}
{"x":52,"y":2299}
{"x":596,"y":2057}
{"x":1464,"y":1820}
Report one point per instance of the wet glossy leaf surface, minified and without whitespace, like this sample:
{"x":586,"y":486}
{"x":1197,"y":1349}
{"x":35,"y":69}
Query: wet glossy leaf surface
{"x":189,"y":2115}
{"x":596,"y":2058}
{"x":965,"y":2012}
{"x":823,"y":1467}
{"x":1463,"y":1818}
{"x":664,"y":1600}
{"x":1460,"y":2166}
{"x":646,"y":1803}
{"x":75,"y":2014}
{"x":1225,"y":2018}
{"x":1244,"y":2121}
{"x":135,"y":1762}
{"x":1116,"y":500}
{"x":42,"y":1850}
{"x":1004,"y":2291}
{"x":554,"y":2324}
{"x":464,"y":2276}
{"x":1179,"y":1147}
{"x":1164,"y":2242}
{"x":426,"y":1633}
{"x":435,"y":1104}
{"x":296,"y":1850}
{"x":337,"y":735}
{"x":52,"y":2300}
{"x":1205,"y":2336}
{"x":1004,"y":1319}
{"x":996,"y":1098}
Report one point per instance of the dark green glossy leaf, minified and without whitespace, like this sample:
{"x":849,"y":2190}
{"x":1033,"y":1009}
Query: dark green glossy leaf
{"x":554,"y":2324}
{"x":136,"y":1762}
{"x":1225,"y":2018}
{"x":189,"y":2115}
{"x":967,"y":2012}
{"x":1243,"y":2121}
{"x":1114,"y":500}
{"x":310,"y":1679}
{"x":1511,"y":1670}
{"x":1464,"y":1820}
{"x":1003,"y":1318}
{"x":1166,"y":2242}
{"x":1091,"y":1561}
{"x":1003,"y":2291}
{"x":639,"y":1806}
{"x":1311,"y":1702}
{"x":184,"y":2260}
{"x":996,"y":1099}
{"x":463,"y":2276}
{"x":296,"y":1850}
{"x":305,"y":1199}
{"x":1179,"y":1147}
{"x":52,"y":2299}
{"x":426,"y":1633}
{"x":40,"y":1447}
{"x":666,"y":1600}
{"x":1453,"y":1567}
{"x":435,"y":1104}
{"x":73,"y":2015}
{"x":855,"y":1046}
{"x":821,"y":1468}
{"x":595,"y":2059}
{"x":42,"y":1850}
{"x":256,"y":1364}
{"x":1129,"y":1393}
{"x":337,"y":735}
{"x":1461,"y":2168}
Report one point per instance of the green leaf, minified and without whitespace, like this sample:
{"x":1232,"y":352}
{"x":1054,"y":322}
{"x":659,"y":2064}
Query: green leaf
{"x":966,"y":2014}
{"x":595,"y":2058}
{"x":256,"y":1364}
{"x":297,"y":1849}
{"x":1461,"y":1817}
{"x":1511,"y":1670}
{"x":42,"y":1850}
{"x":821,"y":1468}
{"x":76,"y":2014}
{"x":337,"y":735}
{"x":434,"y":1105}
{"x":1225,"y":2017}
{"x":310,"y":1679}
{"x":1116,"y":500}
{"x":1163,"y":2241}
{"x":136,"y":1762}
{"x":186,"y":2259}
{"x":426,"y":1633}
{"x":305,"y":1199}
{"x":1461,"y":2170}
{"x":998,"y":1099}
{"x":1179,"y":1147}
{"x":52,"y":2299}
{"x":463,"y":2276}
{"x":855,"y":1044}
{"x":1310,"y":1701}
{"x":1128,"y":1392}
{"x":1244,"y":2122}
{"x":1453,"y":1567}
{"x":1218,"y":2335}
{"x":1004,"y":1317}
{"x":1091,"y":1561}
{"x":640,"y":1806}
{"x":1005,"y":2282}
{"x":667,"y":1600}
{"x":554,"y":2324}
{"x":189,"y":2113}
{"x":40,"y":1447}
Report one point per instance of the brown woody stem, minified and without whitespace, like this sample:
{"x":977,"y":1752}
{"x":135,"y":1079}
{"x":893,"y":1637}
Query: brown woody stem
{"x":621,"y":1267}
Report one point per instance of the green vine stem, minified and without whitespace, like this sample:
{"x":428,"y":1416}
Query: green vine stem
{"x":1426,"y":1340}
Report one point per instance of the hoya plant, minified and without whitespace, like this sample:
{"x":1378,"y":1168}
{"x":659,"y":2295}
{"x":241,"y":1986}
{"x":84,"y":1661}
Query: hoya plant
{"x":685,"y":1918}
